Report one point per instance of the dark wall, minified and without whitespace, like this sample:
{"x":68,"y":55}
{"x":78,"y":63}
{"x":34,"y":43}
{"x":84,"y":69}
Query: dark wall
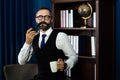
{"x":117,"y":39}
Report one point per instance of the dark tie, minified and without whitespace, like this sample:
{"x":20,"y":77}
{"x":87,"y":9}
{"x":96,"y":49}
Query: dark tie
{"x":43,"y":40}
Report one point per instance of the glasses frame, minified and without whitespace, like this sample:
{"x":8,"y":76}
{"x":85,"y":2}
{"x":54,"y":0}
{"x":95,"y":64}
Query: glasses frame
{"x":46,"y":17}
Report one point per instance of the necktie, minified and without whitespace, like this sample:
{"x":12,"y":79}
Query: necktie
{"x":43,"y":40}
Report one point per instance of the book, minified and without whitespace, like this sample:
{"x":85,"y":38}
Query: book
{"x":93,"y":40}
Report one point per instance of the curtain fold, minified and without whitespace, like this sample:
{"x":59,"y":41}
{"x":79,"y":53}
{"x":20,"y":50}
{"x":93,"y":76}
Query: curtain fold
{"x":16,"y":16}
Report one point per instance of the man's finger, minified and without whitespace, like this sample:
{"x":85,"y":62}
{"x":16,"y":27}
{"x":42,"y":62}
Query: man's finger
{"x":29,"y":30}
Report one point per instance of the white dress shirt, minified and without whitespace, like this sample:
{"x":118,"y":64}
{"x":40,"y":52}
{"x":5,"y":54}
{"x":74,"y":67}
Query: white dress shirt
{"x":62,"y":43}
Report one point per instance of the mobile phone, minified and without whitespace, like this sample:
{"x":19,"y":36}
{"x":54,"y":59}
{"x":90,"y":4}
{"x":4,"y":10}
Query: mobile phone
{"x":33,"y":29}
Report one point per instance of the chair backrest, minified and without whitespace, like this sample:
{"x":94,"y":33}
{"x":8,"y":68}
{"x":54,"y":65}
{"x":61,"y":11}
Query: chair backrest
{"x":20,"y":72}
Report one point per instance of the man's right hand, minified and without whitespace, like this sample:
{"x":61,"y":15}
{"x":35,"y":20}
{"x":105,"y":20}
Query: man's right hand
{"x":30,"y":34}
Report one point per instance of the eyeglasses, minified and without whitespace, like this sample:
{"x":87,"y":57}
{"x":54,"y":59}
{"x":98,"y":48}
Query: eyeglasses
{"x":46,"y":17}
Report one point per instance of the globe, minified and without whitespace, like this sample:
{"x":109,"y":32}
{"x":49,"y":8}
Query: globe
{"x":85,"y":11}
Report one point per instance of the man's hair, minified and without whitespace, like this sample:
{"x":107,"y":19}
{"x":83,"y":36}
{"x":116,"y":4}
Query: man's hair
{"x":45,"y":8}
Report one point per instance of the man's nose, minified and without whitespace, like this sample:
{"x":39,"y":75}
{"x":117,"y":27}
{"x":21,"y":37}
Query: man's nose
{"x":43,"y":19}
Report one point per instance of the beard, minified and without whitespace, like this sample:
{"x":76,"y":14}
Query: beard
{"x":43,"y":25}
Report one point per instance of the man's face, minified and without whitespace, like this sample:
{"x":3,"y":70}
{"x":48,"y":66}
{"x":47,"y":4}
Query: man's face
{"x":43,"y":18}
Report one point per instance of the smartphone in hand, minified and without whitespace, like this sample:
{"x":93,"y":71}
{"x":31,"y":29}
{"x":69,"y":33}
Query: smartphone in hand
{"x":33,"y":29}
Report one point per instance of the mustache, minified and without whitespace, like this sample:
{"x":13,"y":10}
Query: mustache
{"x":42,"y":23}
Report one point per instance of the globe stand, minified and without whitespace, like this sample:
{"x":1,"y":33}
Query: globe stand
{"x":85,"y":21}
{"x":85,"y":10}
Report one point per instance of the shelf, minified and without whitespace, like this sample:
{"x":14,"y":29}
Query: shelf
{"x":75,"y":29}
{"x":64,"y":1}
{"x":87,"y":59}
{"x":78,"y":31}
{"x":59,"y":5}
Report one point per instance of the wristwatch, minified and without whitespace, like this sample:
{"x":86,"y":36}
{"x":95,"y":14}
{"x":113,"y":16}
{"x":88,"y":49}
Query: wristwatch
{"x":65,"y":65}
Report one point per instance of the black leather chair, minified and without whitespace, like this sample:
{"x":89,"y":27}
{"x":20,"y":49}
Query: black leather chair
{"x":20,"y":72}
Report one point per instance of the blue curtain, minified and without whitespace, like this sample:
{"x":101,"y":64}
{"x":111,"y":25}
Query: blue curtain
{"x":16,"y":16}
{"x":117,"y":39}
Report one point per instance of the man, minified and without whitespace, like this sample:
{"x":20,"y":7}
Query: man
{"x":57,"y":48}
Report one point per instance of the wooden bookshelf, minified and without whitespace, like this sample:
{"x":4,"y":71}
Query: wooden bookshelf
{"x":69,"y":1}
{"x":77,"y":31}
{"x":90,"y":67}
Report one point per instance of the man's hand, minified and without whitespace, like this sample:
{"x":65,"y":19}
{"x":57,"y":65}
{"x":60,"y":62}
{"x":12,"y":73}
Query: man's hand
{"x":60,"y":64}
{"x":30,"y":34}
